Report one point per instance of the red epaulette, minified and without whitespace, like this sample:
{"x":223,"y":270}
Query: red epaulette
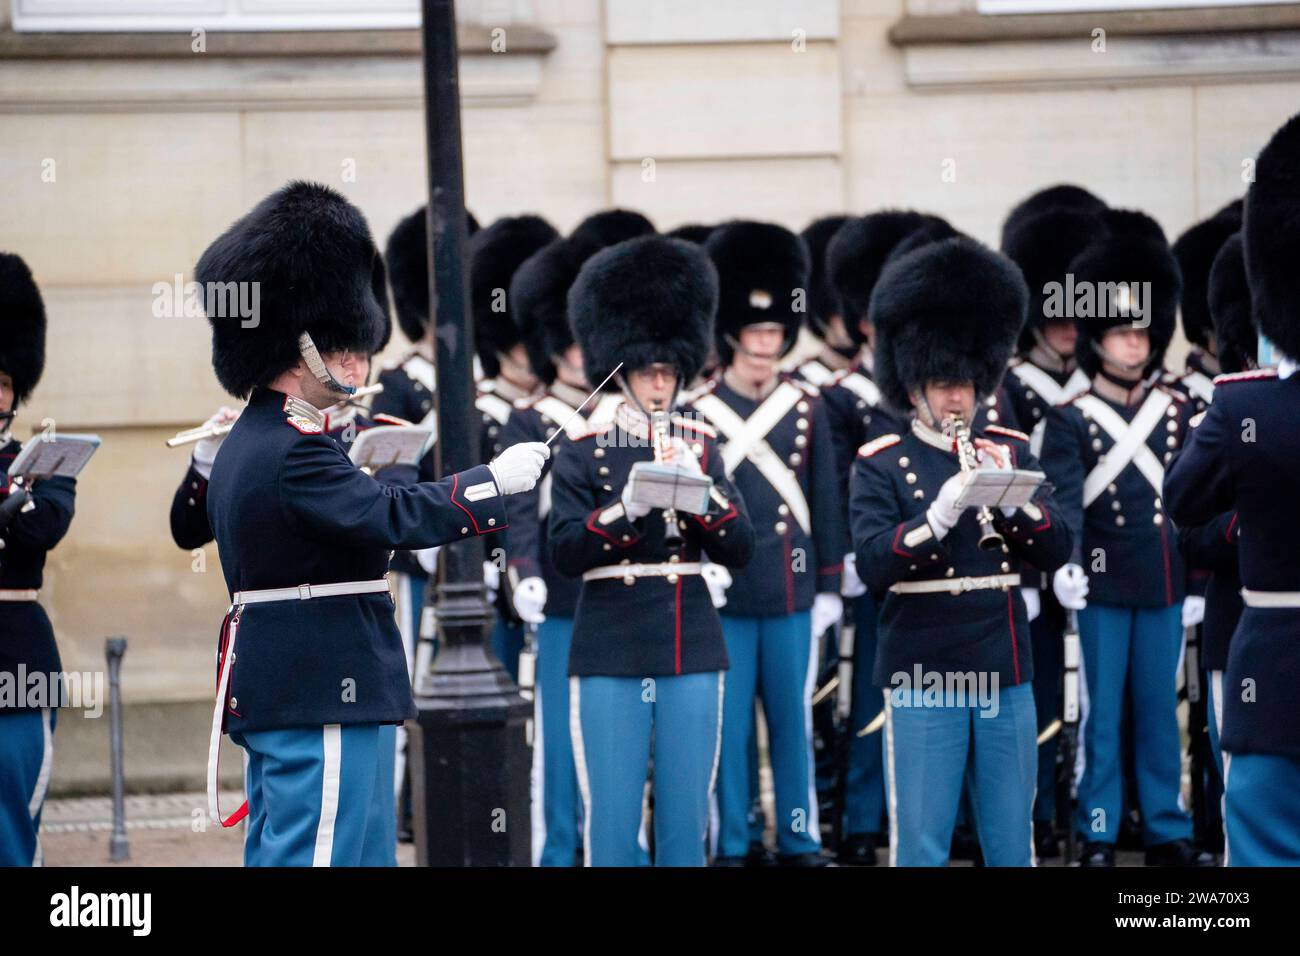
{"x":1254,"y":375}
{"x":695,"y":425}
{"x":598,"y":430}
{"x":383,"y":418}
{"x":1008,"y":432}
{"x":878,"y":444}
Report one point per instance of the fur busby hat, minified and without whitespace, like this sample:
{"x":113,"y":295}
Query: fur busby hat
{"x":317,"y":271}
{"x":408,"y":270}
{"x":1195,"y":250}
{"x":949,"y":310}
{"x":22,"y":312}
{"x":691,"y":232}
{"x":1043,"y":245}
{"x":856,"y":254}
{"x":1117,"y":267}
{"x":494,"y":255}
{"x":1271,"y":231}
{"x":1229,"y":299}
{"x":650,"y":299}
{"x":822,"y":300}
{"x":611,"y":226}
{"x":762,"y":277}
{"x":539,"y":294}
{"x":1062,"y":196}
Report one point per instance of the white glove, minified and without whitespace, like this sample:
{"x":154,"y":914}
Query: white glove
{"x":851,"y":585}
{"x":987,"y":460}
{"x":428,"y":559}
{"x":943,"y":514}
{"x":718,"y":580}
{"x":826,"y":610}
{"x":205,"y":452}
{"x":518,"y":467}
{"x":1033,"y":603}
{"x":682,"y":455}
{"x":530,"y":598}
{"x":1071,"y":587}
{"x":1193,"y":610}
{"x":491,"y":580}
{"x":634,"y":511}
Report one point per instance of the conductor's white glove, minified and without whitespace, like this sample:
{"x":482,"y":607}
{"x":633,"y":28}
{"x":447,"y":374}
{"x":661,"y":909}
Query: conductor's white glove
{"x":1193,"y":610}
{"x":851,"y":585}
{"x":827,"y":609}
{"x":634,"y":511}
{"x":718,"y":580}
{"x":1033,"y":603}
{"x":943,"y":513}
{"x":530,"y":599}
{"x":205,"y":452}
{"x":491,"y":580}
{"x":1071,"y":587}
{"x":518,"y":467}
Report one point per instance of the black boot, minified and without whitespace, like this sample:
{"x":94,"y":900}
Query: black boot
{"x":759,"y":855}
{"x":1046,"y":844}
{"x":1179,"y":853}
{"x":803,"y":859}
{"x":1097,"y":854}
{"x":858,"y":849}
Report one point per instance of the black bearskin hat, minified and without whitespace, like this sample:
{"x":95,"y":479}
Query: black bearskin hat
{"x":1063,"y":196}
{"x":22,"y":312}
{"x":947,"y":311}
{"x":647,"y":300}
{"x":1043,"y":245}
{"x":1195,"y":250}
{"x":539,"y":294}
{"x":691,"y":232}
{"x":856,"y":255}
{"x":822,"y":300}
{"x":1271,"y":230}
{"x":762,"y":277}
{"x":1115,"y":268}
{"x":317,"y":271}
{"x":1229,"y":299}
{"x":611,"y":226}
{"x":408,"y":270}
{"x":494,"y":255}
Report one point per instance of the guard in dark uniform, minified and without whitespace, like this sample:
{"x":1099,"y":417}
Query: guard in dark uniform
{"x":33,"y":520}
{"x":1043,"y":239}
{"x":1106,"y":451}
{"x":648,"y":654}
{"x":305,"y":537}
{"x":543,"y":597}
{"x":1195,"y":251}
{"x":775,"y":442}
{"x":494,"y":255}
{"x":823,"y":313}
{"x":952,"y":660}
{"x":1243,"y":456}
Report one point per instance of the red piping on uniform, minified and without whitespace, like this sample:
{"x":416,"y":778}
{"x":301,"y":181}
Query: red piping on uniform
{"x":677,"y":635}
{"x":592,"y":528}
{"x":789,"y":574}
{"x":897,"y":534}
{"x":727,"y":516}
{"x":1015,"y":653}
{"x":1047,"y":522}
{"x":1227,"y":535}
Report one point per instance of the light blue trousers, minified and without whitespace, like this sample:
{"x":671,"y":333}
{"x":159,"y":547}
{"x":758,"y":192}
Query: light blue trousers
{"x":1263,"y":810}
{"x":557,"y":806}
{"x":26,"y":755}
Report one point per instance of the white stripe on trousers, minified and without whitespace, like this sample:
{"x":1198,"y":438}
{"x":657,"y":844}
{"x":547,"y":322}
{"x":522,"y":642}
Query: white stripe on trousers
{"x":1216,"y":685}
{"x":42,"y":779}
{"x":711,"y":831}
{"x":809,"y":686}
{"x":892,"y":783}
{"x":331,"y":737}
{"x":537,"y":778}
{"x":580,"y":764}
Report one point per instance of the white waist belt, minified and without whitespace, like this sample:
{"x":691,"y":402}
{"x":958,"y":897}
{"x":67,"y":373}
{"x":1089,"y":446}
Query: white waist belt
{"x":641,"y":570}
{"x":956,"y":585}
{"x":304,"y":592}
{"x":19,"y":594}
{"x":1270,"y":598}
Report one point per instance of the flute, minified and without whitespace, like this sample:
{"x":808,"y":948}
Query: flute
{"x":191,"y":435}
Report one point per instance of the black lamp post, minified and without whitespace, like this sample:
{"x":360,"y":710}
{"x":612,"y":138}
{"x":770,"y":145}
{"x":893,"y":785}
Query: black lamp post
{"x":469,"y":754}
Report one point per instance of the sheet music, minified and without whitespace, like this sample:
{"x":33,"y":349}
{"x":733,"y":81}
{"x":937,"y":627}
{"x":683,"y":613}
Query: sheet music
{"x":669,"y":486}
{"x":992,"y":487}
{"x":386,"y":445}
{"x":54,"y":455}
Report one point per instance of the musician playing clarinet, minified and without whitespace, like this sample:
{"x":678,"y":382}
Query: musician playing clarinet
{"x":953,"y":657}
{"x":647,"y":659}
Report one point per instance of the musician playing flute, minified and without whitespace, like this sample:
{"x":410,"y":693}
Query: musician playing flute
{"x":647,"y":658}
{"x":953,"y":657}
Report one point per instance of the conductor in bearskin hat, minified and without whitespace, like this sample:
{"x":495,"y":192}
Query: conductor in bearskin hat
{"x":312,"y":676}
{"x":946,"y":317}
{"x":648,"y":655}
{"x":33,"y":519}
{"x":1244,"y":456}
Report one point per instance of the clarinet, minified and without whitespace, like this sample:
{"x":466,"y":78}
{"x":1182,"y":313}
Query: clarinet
{"x":660,"y":425}
{"x":958,"y":429}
